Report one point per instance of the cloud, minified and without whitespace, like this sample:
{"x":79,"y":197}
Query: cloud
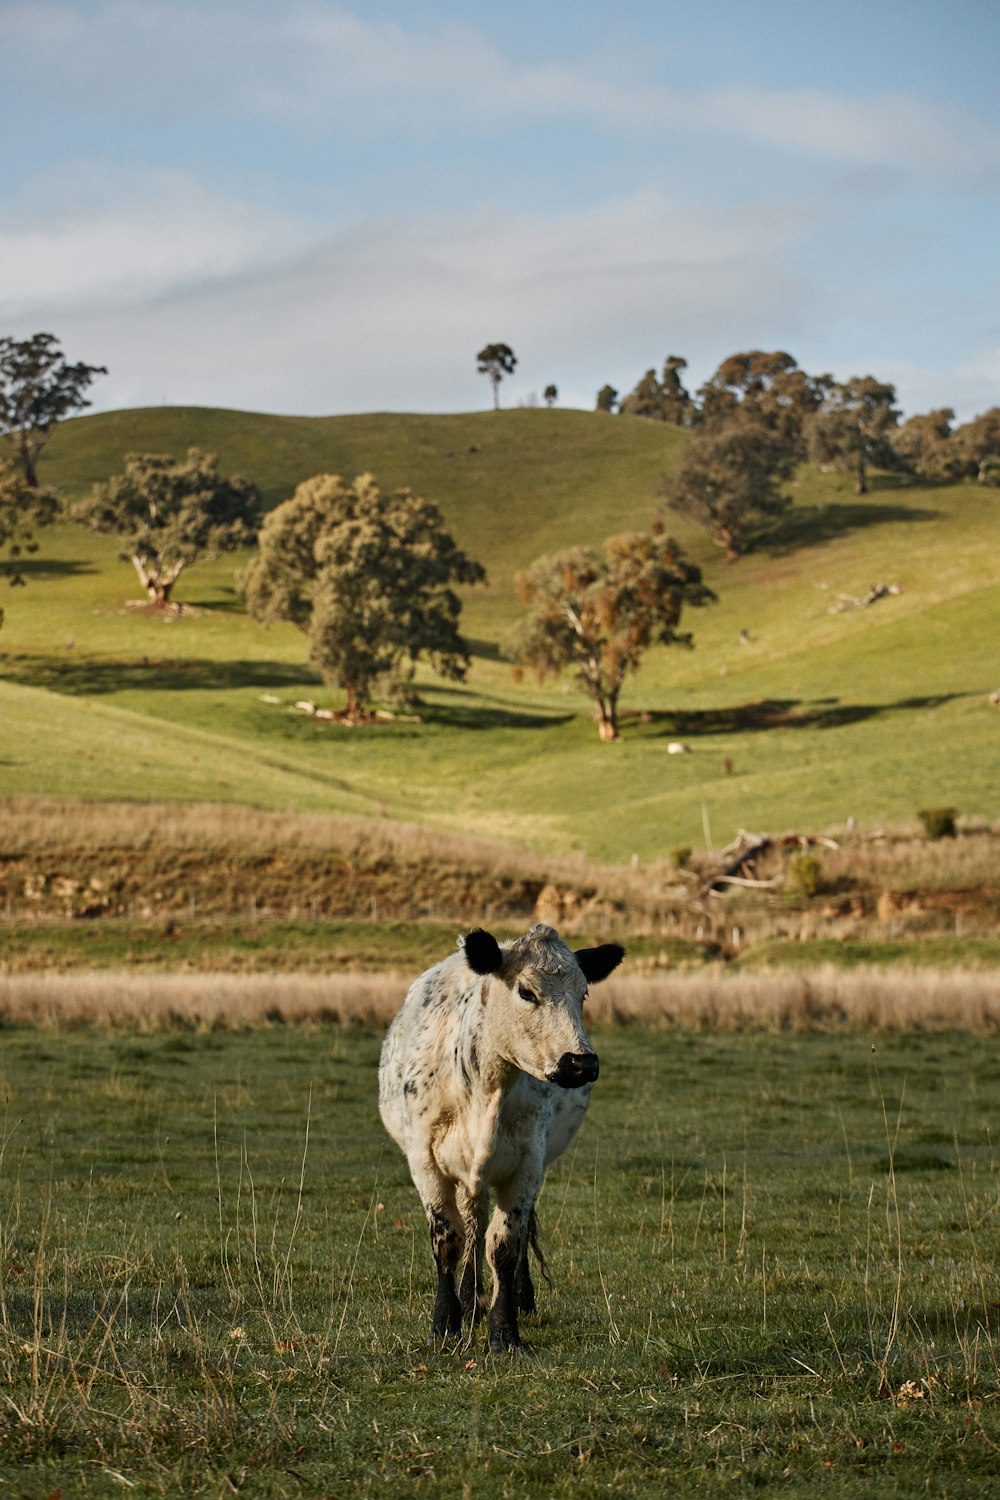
{"x":390,"y":315}
{"x":89,"y":234}
{"x":311,"y":65}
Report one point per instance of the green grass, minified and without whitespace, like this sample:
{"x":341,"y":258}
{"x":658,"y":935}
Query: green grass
{"x":774,"y":1270}
{"x":232,"y":946}
{"x":869,"y":714}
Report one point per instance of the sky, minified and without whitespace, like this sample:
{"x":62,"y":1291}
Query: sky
{"x":316,"y":208}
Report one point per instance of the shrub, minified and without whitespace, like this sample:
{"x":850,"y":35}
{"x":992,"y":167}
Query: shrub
{"x":805,"y":874}
{"x":939,"y":822}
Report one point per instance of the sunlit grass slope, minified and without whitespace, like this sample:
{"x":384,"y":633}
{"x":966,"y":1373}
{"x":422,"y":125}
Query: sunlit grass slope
{"x":817,"y":714}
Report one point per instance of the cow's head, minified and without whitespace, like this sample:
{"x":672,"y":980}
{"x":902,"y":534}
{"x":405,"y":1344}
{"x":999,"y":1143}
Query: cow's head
{"x":536,"y":1000}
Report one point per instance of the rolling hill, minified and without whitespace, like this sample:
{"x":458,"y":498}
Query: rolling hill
{"x":799,"y":710}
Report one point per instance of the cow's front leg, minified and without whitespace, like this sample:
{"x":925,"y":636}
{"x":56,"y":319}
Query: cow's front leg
{"x":447,"y":1242}
{"x":505,"y":1239}
{"x":446,"y":1247}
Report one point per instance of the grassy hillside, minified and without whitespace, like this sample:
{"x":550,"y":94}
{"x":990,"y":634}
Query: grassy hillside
{"x":826,"y":713}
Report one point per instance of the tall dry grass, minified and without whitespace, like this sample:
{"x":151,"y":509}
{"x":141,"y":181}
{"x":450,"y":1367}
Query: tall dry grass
{"x":36,"y":826}
{"x":826,"y":998}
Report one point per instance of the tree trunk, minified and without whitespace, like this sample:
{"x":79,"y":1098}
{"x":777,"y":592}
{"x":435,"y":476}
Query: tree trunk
{"x":353,"y":708}
{"x":156,"y":586}
{"x":607,"y":719}
{"x":28,"y":463}
{"x":862,"y":485}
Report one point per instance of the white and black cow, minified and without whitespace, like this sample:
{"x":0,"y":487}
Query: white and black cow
{"x":485,"y":1078}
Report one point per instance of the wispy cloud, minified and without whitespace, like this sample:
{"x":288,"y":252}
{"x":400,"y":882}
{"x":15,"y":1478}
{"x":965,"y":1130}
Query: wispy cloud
{"x":311,"y":64}
{"x":91,"y":235}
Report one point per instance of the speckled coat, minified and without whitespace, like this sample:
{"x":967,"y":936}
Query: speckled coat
{"x":485,"y":1078}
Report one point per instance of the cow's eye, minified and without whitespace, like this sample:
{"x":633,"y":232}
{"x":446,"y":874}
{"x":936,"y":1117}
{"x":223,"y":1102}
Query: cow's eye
{"x":527,"y":994}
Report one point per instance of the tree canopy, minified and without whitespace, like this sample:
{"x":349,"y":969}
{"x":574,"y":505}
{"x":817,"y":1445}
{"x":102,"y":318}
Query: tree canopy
{"x":367,"y":575}
{"x":168,"y":514}
{"x":978,"y":445}
{"x":853,"y":427}
{"x":597,"y":610}
{"x":22,"y":509}
{"x":496,"y":361}
{"x":728,"y":480}
{"x":768,"y":387}
{"x":663,"y":399}
{"x":925,"y":445}
{"x":38,"y":388}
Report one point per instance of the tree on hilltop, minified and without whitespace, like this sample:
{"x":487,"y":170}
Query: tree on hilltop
{"x":367,"y":576}
{"x":853,"y":427}
{"x":37,"y":389}
{"x":768,"y":387}
{"x":978,"y":443}
{"x":925,"y":445}
{"x":496,"y":361}
{"x":607,"y":398}
{"x":597,"y":610}
{"x":168,"y":514}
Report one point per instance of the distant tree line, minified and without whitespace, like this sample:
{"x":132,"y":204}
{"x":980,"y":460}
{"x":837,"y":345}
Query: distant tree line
{"x":760,"y":415}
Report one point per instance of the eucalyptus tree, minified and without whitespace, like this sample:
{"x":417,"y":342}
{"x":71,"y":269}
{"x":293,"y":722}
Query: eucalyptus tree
{"x":596,"y":611}
{"x":169,"y":513}
{"x":38,"y":387}
{"x":367,"y":575}
{"x":496,"y":361}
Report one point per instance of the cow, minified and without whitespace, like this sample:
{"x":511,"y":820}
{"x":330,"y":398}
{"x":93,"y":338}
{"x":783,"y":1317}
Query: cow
{"x":484,"y":1080}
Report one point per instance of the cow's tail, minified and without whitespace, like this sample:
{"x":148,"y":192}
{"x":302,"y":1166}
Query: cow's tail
{"x":534,"y":1237}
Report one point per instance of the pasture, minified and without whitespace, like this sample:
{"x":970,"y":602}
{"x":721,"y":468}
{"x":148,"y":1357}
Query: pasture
{"x":819,"y":714}
{"x":774,"y":1267}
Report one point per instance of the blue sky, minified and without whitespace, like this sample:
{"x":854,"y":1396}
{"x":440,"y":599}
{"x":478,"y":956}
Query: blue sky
{"x":313,"y":207}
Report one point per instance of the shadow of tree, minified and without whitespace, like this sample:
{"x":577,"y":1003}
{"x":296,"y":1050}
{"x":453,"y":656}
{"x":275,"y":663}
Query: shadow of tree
{"x":81,"y":676}
{"x":458,"y":709}
{"x":42,"y":567}
{"x":485,"y":650}
{"x":783,"y":713}
{"x":810,"y":526}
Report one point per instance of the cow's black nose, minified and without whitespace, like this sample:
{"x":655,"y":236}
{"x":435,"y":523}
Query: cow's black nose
{"x":574,"y":1069}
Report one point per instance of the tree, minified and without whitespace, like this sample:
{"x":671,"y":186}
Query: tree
{"x":663,"y":400}
{"x":768,"y":387}
{"x":37,"y":389}
{"x":550,"y":395}
{"x":678,"y":408}
{"x":852,"y":429}
{"x":644,"y":400}
{"x":925,"y":445}
{"x":366,"y":574}
{"x":596,"y":610}
{"x":727,"y":481}
{"x":22,"y":509}
{"x":169,"y":514}
{"x":607,"y":398}
{"x":978,"y":443}
{"x":496,"y":361}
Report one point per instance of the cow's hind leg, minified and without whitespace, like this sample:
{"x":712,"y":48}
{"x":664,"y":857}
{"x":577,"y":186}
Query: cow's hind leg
{"x":524,"y":1287}
{"x":471,"y":1294}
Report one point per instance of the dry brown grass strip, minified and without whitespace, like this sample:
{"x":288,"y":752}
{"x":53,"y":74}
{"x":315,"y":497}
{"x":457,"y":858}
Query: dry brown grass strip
{"x":823,"y":999}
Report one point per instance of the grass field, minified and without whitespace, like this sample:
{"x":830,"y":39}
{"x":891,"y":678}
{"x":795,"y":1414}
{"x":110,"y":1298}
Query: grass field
{"x":824,"y":716}
{"x":774,"y":1265}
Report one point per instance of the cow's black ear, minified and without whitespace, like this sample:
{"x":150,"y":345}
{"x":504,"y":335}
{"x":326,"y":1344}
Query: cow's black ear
{"x":597,"y":963}
{"x":482,"y":952}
